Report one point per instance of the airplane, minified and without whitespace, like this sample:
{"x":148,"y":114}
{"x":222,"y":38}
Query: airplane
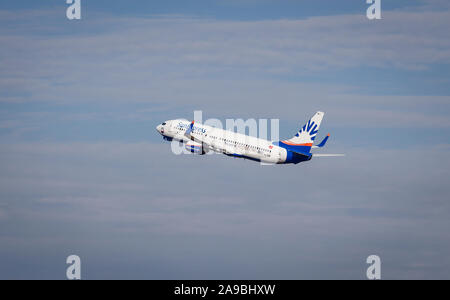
{"x":201,"y":139}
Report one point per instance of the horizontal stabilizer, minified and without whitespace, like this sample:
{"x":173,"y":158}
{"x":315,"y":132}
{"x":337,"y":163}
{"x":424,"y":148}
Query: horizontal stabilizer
{"x":323,"y":142}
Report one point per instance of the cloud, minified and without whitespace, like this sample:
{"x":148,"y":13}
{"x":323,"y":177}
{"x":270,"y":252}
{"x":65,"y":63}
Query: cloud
{"x":214,"y":65}
{"x":337,"y":208}
{"x":171,"y":46}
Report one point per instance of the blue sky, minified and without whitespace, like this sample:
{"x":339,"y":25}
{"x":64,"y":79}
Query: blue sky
{"x":85,"y":172}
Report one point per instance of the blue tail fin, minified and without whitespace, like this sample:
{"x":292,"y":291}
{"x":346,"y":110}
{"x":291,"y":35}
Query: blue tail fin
{"x":304,"y":139}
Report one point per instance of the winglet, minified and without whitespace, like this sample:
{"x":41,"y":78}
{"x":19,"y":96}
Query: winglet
{"x":323,"y":142}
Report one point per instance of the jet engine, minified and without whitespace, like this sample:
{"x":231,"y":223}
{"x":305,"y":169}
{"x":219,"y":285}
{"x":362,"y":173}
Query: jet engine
{"x":195,"y":147}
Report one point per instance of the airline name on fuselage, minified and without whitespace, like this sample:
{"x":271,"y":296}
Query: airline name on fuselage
{"x":194,"y":128}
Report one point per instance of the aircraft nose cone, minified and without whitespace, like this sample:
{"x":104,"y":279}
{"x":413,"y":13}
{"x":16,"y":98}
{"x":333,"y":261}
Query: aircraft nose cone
{"x":158,"y":128}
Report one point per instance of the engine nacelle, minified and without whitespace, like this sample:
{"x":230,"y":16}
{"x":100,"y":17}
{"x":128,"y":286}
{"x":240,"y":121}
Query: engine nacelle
{"x":195,"y":147}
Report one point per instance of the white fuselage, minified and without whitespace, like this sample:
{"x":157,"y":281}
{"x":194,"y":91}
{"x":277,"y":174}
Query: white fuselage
{"x":224,"y":141}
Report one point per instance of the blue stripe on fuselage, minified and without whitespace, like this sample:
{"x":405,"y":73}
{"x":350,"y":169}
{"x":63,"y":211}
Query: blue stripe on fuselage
{"x":300,"y":149}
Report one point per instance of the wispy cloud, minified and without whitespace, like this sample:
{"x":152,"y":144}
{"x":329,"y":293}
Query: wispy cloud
{"x":209,"y":63}
{"x":110,"y":189}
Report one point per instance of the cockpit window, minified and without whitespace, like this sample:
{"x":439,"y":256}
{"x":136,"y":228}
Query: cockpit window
{"x":163,"y":123}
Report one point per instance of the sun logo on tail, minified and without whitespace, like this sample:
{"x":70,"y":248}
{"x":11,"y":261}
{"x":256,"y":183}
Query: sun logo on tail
{"x":310,"y":128}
